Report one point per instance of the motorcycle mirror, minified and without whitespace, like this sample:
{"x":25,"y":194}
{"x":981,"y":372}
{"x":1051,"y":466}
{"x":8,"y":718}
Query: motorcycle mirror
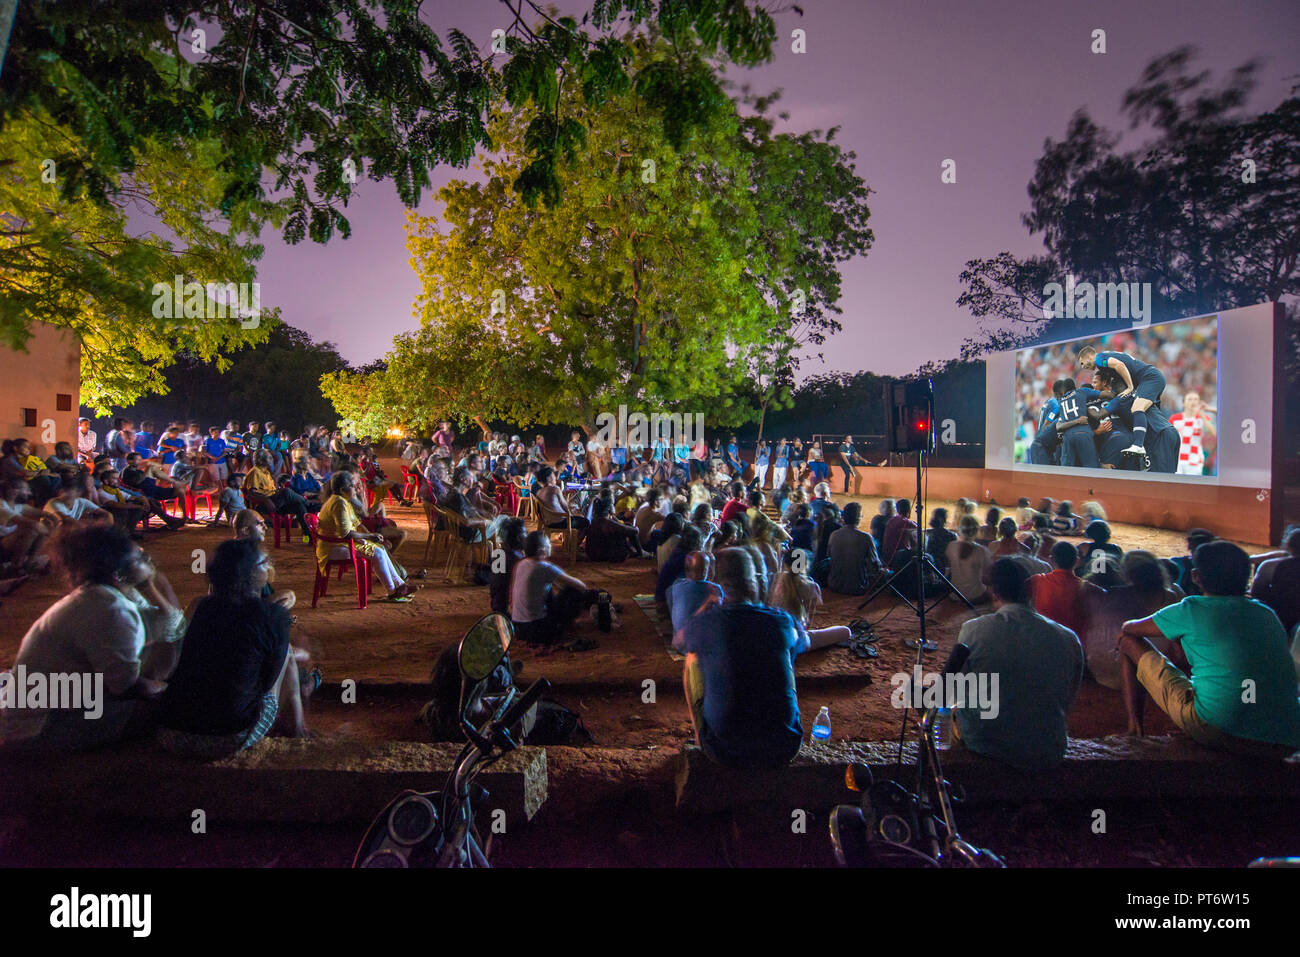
{"x":484,"y":645}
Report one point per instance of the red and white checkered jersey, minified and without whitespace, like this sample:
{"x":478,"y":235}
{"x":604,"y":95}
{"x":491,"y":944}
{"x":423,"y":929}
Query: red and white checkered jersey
{"x":1192,"y":452}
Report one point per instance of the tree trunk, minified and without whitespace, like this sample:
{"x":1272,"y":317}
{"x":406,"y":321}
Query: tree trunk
{"x":762,"y":414}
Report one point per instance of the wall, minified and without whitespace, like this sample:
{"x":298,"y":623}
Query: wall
{"x":33,"y":380}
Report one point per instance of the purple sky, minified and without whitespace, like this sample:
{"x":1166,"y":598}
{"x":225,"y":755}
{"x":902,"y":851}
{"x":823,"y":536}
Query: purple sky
{"x":910,"y":84}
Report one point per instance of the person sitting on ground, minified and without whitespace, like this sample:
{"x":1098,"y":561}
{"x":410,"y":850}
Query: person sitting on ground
{"x":127,"y":506}
{"x":1059,"y":594}
{"x":249,"y":525}
{"x":689,"y":594}
{"x":821,"y":498}
{"x":18,"y":462}
{"x":1065,"y":521}
{"x":648,"y":515}
{"x":1008,"y":546}
{"x":828,"y":523}
{"x":739,"y":673}
{"x":702,"y":518}
{"x":120,"y":620}
{"x":1144,"y":589}
{"x":1098,"y":552}
{"x":968,"y":561}
{"x":803,"y":529}
{"x":877,"y":528}
{"x":72,"y":507}
{"x":339,"y":520}
{"x":1040,"y":539}
{"x":736,"y":504}
{"x":674,"y":563}
{"x":938,"y":537}
{"x":513,"y":532}
{"x":544,"y":600}
{"x":1038,"y":665}
{"x":63,"y":459}
{"x":1024,"y":514}
{"x":1240,"y":696}
{"x":24,"y":531}
{"x":609,"y":540}
{"x":793,"y":591}
{"x":854,"y":562}
{"x":664,"y":539}
{"x":900,"y":532}
{"x":231,"y":502}
{"x":1180,"y":567}
{"x":988,"y":533}
{"x":1277,"y":583}
{"x":148,"y":478}
{"x":238,"y":672}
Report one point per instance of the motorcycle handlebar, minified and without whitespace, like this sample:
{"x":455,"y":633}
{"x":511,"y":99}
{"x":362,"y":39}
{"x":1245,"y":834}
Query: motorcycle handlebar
{"x":521,"y":704}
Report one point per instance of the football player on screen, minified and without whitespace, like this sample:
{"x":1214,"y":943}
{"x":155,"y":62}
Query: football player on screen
{"x":1047,"y":442}
{"x":1194,"y":424}
{"x":1160,"y":452}
{"x":1078,"y":449}
{"x":1141,"y":380}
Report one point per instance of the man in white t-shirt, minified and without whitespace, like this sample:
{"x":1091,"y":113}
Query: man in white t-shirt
{"x":71,"y":507}
{"x":543,"y":599}
{"x":87,"y":440}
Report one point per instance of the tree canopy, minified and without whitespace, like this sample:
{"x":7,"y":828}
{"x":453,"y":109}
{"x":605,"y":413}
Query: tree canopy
{"x":667,"y":278}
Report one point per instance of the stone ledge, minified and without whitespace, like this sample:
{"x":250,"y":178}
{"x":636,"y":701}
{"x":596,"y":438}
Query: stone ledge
{"x":278,"y":779}
{"x":1116,"y":767}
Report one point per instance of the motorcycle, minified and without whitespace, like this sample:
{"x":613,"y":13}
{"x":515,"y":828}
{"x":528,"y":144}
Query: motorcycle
{"x":895,"y":827}
{"x":437,"y":828}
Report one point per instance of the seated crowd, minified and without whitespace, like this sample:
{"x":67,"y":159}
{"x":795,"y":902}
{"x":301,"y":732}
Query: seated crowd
{"x":741,"y":579}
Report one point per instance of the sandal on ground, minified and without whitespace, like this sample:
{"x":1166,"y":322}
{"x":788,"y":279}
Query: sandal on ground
{"x":863,"y":650}
{"x":312,"y":678}
{"x":422,"y":574}
{"x":582,"y":644}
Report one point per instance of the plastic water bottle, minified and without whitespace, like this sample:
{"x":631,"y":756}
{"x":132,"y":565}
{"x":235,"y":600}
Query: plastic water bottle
{"x":943,"y":728}
{"x":821,"y":730}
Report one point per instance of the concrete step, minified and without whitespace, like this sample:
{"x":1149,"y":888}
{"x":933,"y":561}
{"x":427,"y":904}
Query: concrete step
{"x":1116,"y":767}
{"x":278,"y":779}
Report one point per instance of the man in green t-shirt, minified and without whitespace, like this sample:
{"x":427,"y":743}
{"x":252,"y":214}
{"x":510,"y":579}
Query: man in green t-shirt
{"x":1241,"y":696}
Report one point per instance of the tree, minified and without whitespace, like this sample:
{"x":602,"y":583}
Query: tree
{"x":322,"y":91}
{"x":1206,"y":211}
{"x":92,"y":268}
{"x":278,"y":380}
{"x":661,"y":282}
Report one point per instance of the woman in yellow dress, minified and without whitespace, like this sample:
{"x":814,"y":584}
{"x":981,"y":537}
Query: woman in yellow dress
{"x":338,"y":519}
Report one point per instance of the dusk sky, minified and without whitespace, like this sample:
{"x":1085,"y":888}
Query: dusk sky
{"x":910,"y":84}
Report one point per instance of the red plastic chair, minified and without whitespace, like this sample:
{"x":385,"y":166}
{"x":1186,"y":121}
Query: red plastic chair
{"x":357,"y":561}
{"x":282,"y":521}
{"x":410,"y":484}
{"x":192,"y":501}
{"x":507,"y":496}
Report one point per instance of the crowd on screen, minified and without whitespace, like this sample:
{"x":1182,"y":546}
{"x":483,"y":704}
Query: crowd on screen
{"x":739,"y":553}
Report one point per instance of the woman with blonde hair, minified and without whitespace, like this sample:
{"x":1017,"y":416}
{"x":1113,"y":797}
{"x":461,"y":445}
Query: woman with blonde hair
{"x":794,"y":592}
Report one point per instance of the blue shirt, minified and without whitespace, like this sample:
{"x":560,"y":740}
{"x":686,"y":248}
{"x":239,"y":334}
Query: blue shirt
{"x":144,"y":444}
{"x":1074,"y":405}
{"x":1050,"y":412}
{"x":746,"y":658}
{"x":684,"y":599}
{"x":216,"y":448}
{"x":1136,"y":367}
{"x":168,"y":448}
{"x":304,"y":482}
